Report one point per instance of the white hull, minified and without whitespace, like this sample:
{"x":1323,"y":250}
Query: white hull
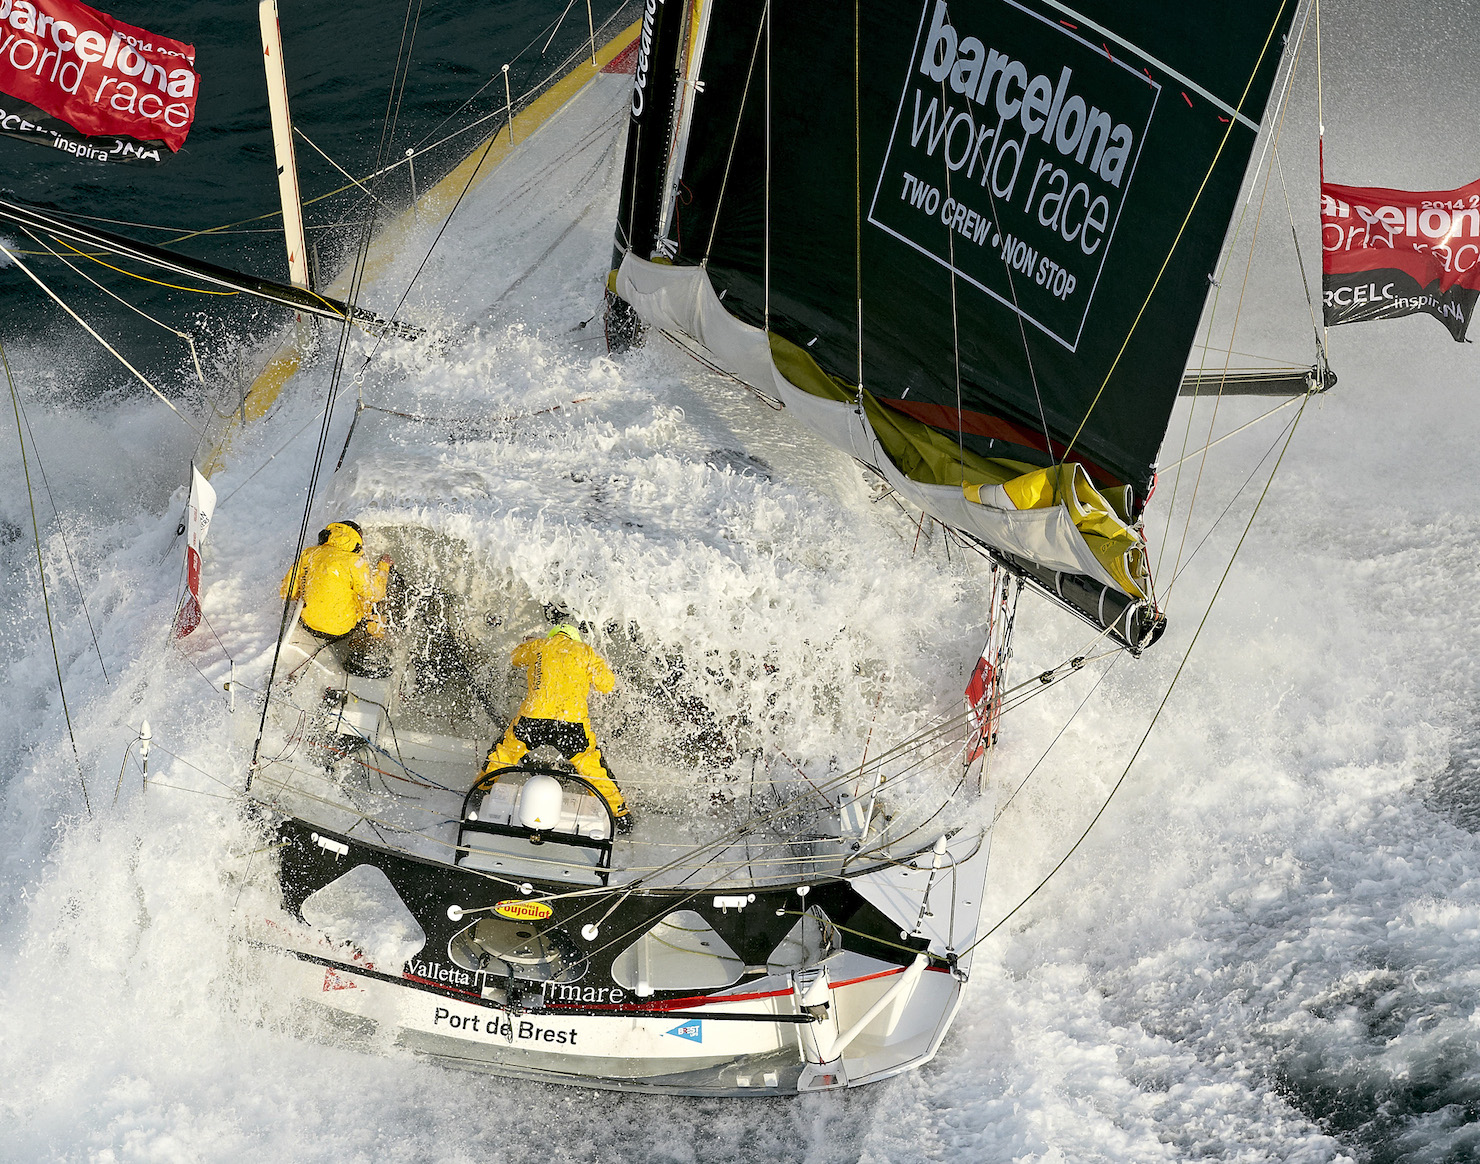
{"x":683,"y":1051}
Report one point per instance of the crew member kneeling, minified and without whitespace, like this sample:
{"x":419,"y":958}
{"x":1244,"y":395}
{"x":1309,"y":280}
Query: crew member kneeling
{"x":339,"y":592}
{"x":562,"y":670}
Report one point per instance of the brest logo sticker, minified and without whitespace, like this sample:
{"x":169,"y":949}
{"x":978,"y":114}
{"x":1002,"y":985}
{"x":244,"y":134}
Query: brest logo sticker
{"x":1013,"y":148}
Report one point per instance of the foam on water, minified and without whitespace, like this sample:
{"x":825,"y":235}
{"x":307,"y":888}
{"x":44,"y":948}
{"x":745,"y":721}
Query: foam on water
{"x":1266,"y":949}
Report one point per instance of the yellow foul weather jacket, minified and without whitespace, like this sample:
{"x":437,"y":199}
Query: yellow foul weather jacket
{"x":337,"y":585}
{"x":561,"y":675}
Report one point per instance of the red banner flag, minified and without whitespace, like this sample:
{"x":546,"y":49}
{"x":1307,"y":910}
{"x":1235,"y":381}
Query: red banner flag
{"x":96,"y":74}
{"x":1388,"y":253}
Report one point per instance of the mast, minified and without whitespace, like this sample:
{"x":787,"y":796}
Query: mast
{"x":649,"y":132}
{"x":687,"y":94}
{"x":282,"y":143}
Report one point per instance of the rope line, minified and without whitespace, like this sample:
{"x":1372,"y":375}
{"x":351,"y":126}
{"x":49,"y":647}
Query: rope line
{"x":131,"y":274}
{"x":194,"y":355}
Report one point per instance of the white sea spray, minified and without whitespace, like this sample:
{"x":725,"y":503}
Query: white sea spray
{"x":1264,"y":951}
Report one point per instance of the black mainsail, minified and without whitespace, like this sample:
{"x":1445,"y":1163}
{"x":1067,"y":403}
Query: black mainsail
{"x":968,"y":242}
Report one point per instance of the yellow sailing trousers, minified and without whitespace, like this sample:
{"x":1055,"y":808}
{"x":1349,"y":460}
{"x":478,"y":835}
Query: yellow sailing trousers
{"x":575,"y":741}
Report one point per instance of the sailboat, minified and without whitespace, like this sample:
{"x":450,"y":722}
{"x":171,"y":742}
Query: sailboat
{"x":968,"y":246}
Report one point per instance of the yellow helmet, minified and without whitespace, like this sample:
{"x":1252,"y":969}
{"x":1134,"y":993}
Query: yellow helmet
{"x":565,"y":629}
{"x":349,"y":532}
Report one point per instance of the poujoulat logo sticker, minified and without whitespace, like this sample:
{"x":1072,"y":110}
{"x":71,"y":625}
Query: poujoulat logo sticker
{"x":517,"y":910}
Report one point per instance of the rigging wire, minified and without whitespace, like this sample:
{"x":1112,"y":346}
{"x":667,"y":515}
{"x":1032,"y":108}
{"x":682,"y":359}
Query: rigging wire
{"x":1234,"y":432}
{"x":1238,"y":308}
{"x":1278,"y":363}
{"x":194,"y":355}
{"x":353,"y":180}
{"x":403,"y":63}
{"x":1058,"y":735}
{"x":88,"y":328}
{"x":66,"y":548}
{"x":724,"y":182}
{"x":1166,"y":697}
{"x":1284,"y":90}
{"x":1231,"y":502}
{"x":558,"y":22}
{"x":1299,"y":256}
{"x":1181,"y":230}
{"x":41,"y":569}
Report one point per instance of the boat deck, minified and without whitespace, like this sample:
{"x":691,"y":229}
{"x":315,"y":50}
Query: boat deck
{"x":359,"y":757}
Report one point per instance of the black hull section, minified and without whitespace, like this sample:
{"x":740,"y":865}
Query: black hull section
{"x":445,"y":900}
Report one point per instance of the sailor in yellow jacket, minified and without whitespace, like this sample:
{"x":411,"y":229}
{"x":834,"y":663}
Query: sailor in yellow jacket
{"x":562,"y":670}
{"x":338,"y":587}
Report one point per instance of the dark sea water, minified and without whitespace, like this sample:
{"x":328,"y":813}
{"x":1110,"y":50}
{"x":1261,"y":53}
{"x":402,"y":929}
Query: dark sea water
{"x":341,"y":63}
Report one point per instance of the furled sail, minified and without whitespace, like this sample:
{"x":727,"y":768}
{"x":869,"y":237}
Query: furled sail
{"x":967,"y":242}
